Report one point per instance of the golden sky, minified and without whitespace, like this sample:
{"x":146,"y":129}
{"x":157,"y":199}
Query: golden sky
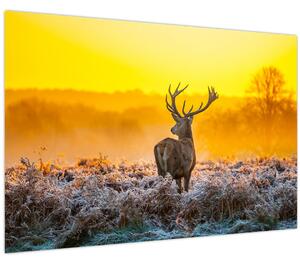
{"x":64,"y":52}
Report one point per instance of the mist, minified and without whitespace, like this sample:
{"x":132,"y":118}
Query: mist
{"x":64,"y":126}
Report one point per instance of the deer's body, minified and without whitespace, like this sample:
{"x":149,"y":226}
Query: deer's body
{"x":178,"y":157}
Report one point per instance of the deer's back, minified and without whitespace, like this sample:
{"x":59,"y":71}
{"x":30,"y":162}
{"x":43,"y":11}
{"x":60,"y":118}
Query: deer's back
{"x":178,"y":153}
{"x":181,"y":146}
{"x":172,"y":145}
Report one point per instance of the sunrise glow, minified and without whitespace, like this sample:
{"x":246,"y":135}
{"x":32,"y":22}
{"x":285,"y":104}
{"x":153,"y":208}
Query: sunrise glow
{"x":63,"y":52}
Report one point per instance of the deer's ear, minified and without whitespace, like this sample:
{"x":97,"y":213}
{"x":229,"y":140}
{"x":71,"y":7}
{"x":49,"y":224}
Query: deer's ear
{"x":175,"y":117}
{"x":191,"y":119}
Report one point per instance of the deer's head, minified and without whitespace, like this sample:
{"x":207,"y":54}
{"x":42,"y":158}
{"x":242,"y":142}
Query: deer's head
{"x":184,"y":121}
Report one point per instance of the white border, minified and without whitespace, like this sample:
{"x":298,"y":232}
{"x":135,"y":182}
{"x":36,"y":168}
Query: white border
{"x":267,"y":16}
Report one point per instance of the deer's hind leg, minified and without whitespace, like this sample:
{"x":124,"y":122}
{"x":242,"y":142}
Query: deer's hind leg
{"x":178,"y":181}
{"x":159,"y":161}
{"x":187,"y":177}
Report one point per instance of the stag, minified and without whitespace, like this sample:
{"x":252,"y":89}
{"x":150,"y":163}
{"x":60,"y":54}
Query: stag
{"x":178,"y":157}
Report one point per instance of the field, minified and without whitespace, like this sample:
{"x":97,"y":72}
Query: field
{"x":97,"y":202}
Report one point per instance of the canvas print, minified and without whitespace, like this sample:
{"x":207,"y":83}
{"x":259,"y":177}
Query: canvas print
{"x":120,"y":131}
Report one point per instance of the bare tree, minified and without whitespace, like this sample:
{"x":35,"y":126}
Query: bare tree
{"x":267,"y":89}
{"x":267,"y":98}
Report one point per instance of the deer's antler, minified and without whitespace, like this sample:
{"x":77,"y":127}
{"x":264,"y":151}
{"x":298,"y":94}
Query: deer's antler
{"x":212,"y":96}
{"x":172,"y":108}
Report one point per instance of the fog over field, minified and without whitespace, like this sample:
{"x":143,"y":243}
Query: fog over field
{"x":64,"y":126}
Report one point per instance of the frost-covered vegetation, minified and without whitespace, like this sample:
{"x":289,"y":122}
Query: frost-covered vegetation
{"x":97,"y":202}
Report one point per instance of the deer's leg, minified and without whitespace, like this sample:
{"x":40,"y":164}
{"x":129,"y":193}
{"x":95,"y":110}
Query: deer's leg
{"x":187,"y":177}
{"x":165,"y":159}
{"x":159,"y":161}
{"x":178,"y":181}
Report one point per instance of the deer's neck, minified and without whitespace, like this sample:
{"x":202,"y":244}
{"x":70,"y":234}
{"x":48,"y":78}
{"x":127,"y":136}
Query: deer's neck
{"x":188,"y":134}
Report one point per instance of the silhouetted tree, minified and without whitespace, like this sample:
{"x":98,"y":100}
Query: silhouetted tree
{"x":266,"y":102}
{"x":268,"y":92}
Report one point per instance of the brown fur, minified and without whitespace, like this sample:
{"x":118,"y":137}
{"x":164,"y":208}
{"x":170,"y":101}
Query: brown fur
{"x":177,"y":157}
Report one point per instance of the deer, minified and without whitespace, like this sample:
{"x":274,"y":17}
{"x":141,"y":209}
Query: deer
{"x":177,"y":156}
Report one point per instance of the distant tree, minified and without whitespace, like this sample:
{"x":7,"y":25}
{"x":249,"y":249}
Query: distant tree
{"x":267,"y":89}
{"x":267,"y":101}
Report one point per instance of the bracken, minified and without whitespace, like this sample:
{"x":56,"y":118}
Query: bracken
{"x":69,"y":206}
